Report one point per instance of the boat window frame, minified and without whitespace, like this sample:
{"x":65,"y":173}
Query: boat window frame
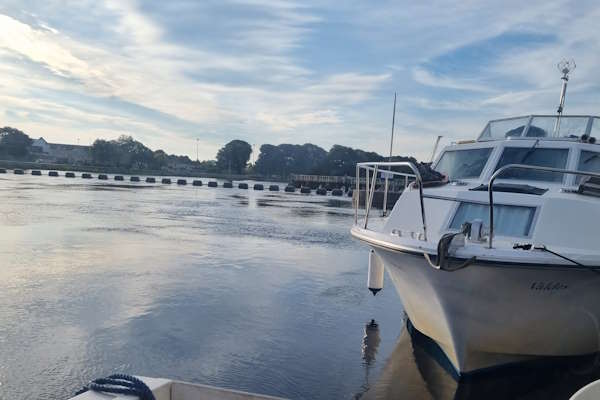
{"x":454,"y":209}
{"x":578,"y":161}
{"x":521,"y":143}
{"x":468,"y":146}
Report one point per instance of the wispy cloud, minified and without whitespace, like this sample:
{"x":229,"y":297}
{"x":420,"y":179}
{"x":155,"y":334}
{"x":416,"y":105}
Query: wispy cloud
{"x":269,"y":71}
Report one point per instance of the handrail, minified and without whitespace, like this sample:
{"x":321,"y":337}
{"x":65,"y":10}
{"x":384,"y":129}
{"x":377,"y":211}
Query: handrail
{"x":500,"y":170}
{"x":374,"y":166}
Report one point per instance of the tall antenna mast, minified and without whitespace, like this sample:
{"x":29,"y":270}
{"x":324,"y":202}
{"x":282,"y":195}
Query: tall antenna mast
{"x":565,"y":67}
{"x":384,"y":211}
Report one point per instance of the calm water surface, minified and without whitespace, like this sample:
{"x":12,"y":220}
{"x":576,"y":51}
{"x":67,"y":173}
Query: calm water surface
{"x":249,"y":290}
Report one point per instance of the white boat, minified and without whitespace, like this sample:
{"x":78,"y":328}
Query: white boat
{"x":501,"y":287}
{"x":167,"y":389}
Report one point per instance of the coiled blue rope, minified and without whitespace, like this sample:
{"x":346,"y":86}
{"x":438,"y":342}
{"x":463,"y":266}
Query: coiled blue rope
{"x":120,"y":384}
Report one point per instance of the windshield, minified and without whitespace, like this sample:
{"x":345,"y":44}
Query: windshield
{"x":588,"y":161}
{"x":543,"y":157}
{"x":462,"y":164}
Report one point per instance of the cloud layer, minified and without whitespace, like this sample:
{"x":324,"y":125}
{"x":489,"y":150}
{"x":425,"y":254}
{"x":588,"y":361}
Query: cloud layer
{"x":273,"y":71}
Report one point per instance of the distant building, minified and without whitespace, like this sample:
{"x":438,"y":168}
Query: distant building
{"x":60,"y":153}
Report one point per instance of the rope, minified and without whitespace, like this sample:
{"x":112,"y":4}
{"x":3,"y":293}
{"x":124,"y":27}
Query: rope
{"x":120,"y":384}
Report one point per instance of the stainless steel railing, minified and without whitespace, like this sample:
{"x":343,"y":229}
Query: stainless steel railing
{"x":371,"y":182}
{"x":522,"y":166}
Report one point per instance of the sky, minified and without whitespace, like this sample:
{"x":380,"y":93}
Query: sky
{"x":181,"y":74}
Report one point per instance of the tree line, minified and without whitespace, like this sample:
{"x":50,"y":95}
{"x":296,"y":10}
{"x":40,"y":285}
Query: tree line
{"x":273,"y":160}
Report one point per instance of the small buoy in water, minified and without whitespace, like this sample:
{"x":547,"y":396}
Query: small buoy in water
{"x":274,"y":188}
{"x":85,"y":175}
{"x":322,"y":191}
{"x":118,"y":177}
{"x":258,"y":186}
{"x":304,"y":189}
{"x":18,"y":172}
{"x":375,"y":276}
{"x":36,"y":172}
{"x":70,"y":175}
{"x":166,"y":181}
{"x":228,"y":185}
{"x":181,"y":182}
{"x":197,"y":183}
{"x":134,"y":179}
{"x":102,"y":177}
{"x":52,"y":173}
{"x":212,"y":184}
{"x":337,"y":192}
{"x":243,"y":185}
{"x":150,"y":180}
{"x":290,"y":189}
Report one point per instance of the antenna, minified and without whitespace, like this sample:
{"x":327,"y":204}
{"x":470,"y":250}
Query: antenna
{"x":435,"y":146}
{"x":384,"y":211}
{"x":565,"y":67}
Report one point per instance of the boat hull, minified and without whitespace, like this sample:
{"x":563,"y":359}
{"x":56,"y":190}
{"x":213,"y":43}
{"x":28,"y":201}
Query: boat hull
{"x":490,"y":314}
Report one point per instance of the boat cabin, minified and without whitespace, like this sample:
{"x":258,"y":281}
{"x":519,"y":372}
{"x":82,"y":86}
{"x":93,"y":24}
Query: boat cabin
{"x":530,"y":205}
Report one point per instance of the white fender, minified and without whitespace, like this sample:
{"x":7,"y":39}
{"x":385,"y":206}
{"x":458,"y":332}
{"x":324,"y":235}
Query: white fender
{"x":376,"y":271}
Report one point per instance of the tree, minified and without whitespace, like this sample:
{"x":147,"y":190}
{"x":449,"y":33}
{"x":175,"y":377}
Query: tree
{"x":234,"y":156}
{"x":14,"y":143}
{"x":286,"y":159}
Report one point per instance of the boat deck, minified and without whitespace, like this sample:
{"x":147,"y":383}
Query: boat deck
{"x":166,"y":389}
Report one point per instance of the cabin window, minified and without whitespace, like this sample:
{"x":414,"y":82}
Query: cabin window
{"x":542,"y":157}
{"x":588,"y":161}
{"x":508,"y":220}
{"x":462,"y":164}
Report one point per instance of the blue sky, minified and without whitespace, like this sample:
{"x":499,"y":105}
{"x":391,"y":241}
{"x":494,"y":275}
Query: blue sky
{"x":272,"y":71}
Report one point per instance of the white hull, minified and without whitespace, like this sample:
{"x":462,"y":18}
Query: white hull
{"x":486,"y":315}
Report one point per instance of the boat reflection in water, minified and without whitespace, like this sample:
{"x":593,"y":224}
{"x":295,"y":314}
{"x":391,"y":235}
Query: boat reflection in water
{"x":418,"y":369}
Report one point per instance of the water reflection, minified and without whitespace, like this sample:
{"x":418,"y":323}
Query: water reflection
{"x":370,"y":345}
{"x":417,"y":369}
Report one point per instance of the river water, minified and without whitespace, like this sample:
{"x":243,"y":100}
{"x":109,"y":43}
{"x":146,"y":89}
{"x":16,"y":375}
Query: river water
{"x":250,"y":290}
{"x":243,"y":289}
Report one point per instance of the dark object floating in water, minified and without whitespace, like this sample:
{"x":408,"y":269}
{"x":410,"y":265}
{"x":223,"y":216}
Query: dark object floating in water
{"x":102,"y":177}
{"x":337,"y":192}
{"x":70,"y":175}
{"x":228,"y":185}
{"x":52,"y":173}
{"x":118,"y":177}
{"x":86,"y":176}
{"x":36,"y":172}
{"x":18,"y":172}
{"x":166,"y":181}
{"x":181,"y":182}
{"x":197,"y":183}
{"x":150,"y":180}
{"x":258,"y":186}
{"x":212,"y":184}
{"x":243,"y":186}
{"x":274,"y":188}
{"x":350,"y":193}
{"x":2,"y":171}
{"x":322,"y":191}
{"x":290,"y":189}
{"x":304,"y":189}
{"x":134,"y":179}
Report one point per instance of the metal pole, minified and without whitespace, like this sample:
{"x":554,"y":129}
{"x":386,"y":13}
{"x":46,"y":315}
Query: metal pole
{"x":370,"y":200}
{"x":385,"y":193}
{"x":197,"y":158}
